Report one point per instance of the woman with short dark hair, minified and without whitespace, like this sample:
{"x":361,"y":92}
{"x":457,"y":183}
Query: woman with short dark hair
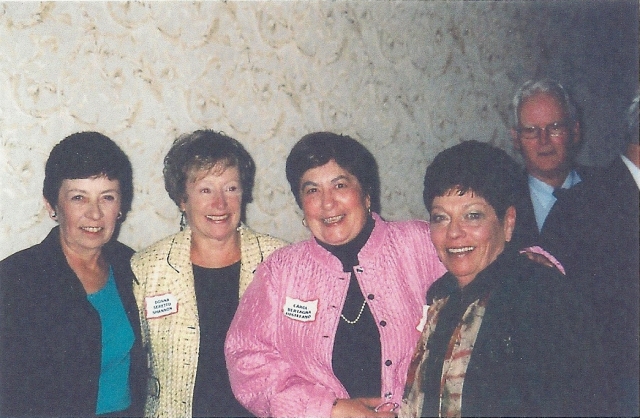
{"x":504,"y":336}
{"x":328,"y":325}
{"x":69,"y":327}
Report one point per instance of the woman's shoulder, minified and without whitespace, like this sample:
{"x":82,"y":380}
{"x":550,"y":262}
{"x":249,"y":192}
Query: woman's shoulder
{"x":290,"y":254}
{"x":441,"y":288}
{"x":160,"y":248}
{"x":119,"y":249}
{"x":265,"y":241}
{"x":534,"y":281}
{"x":413,"y":234}
{"x":32,"y":268}
{"x":295,"y":249}
{"x":32,"y":257}
{"x":538,"y":274}
{"x":412,"y":226}
{"x":23,"y":260}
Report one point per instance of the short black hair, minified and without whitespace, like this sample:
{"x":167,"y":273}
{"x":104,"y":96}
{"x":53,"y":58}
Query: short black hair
{"x":486,"y":170}
{"x":202,"y":150}
{"x":85,"y":155}
{"x":318,"y":148}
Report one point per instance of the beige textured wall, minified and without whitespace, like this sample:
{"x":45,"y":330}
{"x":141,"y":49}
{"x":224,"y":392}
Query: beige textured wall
{"x":408,"y":79}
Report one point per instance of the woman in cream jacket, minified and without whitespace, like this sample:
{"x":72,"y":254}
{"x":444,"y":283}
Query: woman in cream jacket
{"x":190,"y":282}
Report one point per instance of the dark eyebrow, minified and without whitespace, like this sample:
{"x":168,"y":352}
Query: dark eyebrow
{"x":307,"y":183}
{"x":334,"y":180}
{"x":340,"y":177}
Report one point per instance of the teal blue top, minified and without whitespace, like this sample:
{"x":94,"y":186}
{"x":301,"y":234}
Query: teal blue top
{"x":117,"y":340}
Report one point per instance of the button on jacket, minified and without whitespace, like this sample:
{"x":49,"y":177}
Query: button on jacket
{"x":280,"y":365}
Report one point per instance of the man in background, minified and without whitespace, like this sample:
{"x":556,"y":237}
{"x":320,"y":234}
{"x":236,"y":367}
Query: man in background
{"x":546,"y":132}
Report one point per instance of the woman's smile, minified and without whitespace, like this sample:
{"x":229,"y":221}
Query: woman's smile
{"x":333,"y":219}
{"x":460,"y":251}
{"x":218,"y":218}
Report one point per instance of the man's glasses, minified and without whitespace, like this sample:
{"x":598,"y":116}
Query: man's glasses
{"x":554,"y":130}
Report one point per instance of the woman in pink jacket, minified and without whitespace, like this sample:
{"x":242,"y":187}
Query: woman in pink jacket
{"x":328,"y":325}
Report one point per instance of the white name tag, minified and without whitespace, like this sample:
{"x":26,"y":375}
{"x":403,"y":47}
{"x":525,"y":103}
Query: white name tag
{"x":423,"y":320}
{"x":300,"y":310}
{"x":161,"y":305}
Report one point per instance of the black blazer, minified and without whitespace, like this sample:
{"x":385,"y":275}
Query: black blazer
{"x":526,"y":231}
{"x":532,"y":355}
{"x":594,"y":231}
{"x":50,"y":334}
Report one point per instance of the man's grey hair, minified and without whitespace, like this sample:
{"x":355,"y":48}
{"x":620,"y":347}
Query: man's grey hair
{"x":548,"y":86}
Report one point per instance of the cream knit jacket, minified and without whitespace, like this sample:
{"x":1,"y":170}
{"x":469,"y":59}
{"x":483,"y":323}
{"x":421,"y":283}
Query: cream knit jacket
{"x":172,"y":341}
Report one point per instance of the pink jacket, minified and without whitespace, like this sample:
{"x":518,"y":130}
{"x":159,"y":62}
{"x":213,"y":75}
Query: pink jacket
{"x":279,"y":346}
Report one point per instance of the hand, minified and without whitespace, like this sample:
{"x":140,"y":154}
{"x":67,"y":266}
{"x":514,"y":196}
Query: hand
{"x":541,"y":256}
{"x":362,"y":407}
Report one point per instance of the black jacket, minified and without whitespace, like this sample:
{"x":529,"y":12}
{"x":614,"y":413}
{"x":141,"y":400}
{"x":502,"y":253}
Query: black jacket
{"x":594,"y":231}
{"x":50,"y":334}
{"x":526,"y":231}
{"x":531,"y":356}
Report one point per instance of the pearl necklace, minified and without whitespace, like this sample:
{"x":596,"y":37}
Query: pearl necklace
{"x":357,"y":317}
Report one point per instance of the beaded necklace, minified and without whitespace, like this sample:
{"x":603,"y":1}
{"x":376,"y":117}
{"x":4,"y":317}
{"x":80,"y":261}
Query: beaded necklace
{"x":357,"y":317}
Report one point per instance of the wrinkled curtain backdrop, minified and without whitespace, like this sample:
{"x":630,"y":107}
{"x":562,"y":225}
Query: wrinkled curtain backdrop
{"x":406,"y":78}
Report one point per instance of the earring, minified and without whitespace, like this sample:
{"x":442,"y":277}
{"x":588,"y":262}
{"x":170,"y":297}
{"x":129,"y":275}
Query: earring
{"x":304,"y":222}
{"x":53,"y":214}
{"x":183,"y":221}
{"x":119,"y":215}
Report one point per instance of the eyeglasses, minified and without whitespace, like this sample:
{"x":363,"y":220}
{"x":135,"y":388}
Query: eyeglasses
{"x":555,"y":130}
